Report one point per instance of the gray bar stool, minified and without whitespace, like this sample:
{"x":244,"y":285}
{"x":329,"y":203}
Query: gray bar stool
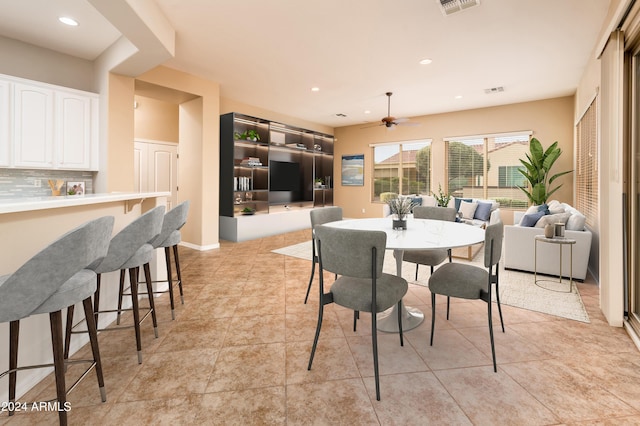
{"x":168,"y":239}
{"x":50,"y":281}
{"x":129,"y":249}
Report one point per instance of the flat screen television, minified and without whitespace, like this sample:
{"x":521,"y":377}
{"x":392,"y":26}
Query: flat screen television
{"x":284,"y":176}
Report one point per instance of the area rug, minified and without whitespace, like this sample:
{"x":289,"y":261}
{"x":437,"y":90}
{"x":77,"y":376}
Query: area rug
{"x":516,"y":288}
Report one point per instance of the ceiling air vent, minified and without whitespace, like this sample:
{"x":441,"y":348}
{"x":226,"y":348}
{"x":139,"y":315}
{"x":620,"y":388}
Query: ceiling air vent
{"x":452,"y":6}
{"x":494,"y":90}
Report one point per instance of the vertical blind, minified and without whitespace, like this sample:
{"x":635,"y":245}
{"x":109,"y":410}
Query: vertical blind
{"x":587,"y":165}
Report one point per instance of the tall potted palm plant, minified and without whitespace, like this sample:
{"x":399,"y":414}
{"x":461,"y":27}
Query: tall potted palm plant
{"x":538,"y":166}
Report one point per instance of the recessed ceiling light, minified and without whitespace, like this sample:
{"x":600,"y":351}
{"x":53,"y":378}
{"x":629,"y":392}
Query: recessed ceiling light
{"x":425,"y":61}
{"x":367,"y":112}
{"x":458,"y":96}
{"x":68,"y":21}
{"x":315,"y":89}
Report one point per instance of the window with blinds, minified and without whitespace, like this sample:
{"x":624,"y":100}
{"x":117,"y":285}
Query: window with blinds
{"x":586,"y":173}
{"x":402,"y":168}
{"x":488,"y":167}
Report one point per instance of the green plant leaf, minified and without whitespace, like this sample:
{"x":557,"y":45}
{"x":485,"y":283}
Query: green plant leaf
{"x":557,"y":175}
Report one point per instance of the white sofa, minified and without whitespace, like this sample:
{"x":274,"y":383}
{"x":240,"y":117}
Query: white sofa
{"x":519,"y":245}
{"x":492,"y":215}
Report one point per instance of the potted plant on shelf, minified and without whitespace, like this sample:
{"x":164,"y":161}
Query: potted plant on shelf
{"x":250,"y":135}
{"x":441,"y":198}
{"x":318,"y":182}
{"x":400,"y":207}
{"x":537,"y":171}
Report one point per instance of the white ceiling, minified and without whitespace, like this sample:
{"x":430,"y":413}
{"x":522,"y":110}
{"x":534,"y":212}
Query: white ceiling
{"x":270,"y":53}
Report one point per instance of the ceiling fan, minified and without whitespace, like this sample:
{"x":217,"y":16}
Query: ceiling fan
{"x":389,"y":121}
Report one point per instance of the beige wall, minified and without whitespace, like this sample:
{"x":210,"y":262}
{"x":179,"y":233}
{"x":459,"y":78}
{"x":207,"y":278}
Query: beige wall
{"x":155,"y":119}
{"x":199,"y":139}
{"x":35,"y":63}
{"x":550,"y":120}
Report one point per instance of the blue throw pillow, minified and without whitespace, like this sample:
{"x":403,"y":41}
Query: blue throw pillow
{"x":483,"y":211}
{"x":544,"y":208}
{"x":458,"y":201}
{"x":531,"y":219}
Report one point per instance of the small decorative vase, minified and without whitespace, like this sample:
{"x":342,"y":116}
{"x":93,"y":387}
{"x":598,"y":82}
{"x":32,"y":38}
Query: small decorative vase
{"x":399,"y":223}
{"x":549,"y":231}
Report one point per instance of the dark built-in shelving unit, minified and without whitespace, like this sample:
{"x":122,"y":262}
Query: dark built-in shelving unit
{"x":276,"y":170}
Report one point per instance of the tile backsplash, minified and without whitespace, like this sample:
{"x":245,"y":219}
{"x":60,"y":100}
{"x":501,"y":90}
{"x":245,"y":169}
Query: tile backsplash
{"x":24,"y":183}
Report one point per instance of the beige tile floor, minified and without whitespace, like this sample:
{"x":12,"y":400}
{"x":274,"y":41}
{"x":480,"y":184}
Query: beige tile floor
{"x":238,"y":350}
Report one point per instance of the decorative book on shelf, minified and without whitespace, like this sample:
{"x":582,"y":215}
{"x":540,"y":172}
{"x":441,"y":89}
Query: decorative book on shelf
{"x":250,"y":161}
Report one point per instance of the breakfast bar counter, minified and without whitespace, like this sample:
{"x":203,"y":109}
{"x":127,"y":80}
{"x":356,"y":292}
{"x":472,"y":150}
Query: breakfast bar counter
{"x":27,"y":225}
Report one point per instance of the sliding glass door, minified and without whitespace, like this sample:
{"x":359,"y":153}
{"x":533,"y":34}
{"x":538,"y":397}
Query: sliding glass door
{"x":633,"y":201}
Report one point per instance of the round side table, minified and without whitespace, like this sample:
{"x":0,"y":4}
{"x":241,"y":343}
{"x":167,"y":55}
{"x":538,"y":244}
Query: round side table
{"x":560,"y":241}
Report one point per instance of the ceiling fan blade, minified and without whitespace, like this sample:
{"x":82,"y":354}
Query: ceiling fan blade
{"x":372,"y":125}
{"x":409,"y":123}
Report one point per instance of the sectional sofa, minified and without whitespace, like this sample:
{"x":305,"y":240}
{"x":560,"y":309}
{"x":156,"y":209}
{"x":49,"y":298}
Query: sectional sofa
{"x":519,"y":241}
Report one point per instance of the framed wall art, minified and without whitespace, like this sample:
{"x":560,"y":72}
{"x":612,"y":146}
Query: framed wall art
{"x":353,"y":170}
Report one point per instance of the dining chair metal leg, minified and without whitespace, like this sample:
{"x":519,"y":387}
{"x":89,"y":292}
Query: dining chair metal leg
{"x":317,"y":336}
{"x":493,"y":348}
{"x":374,"y":343}
{"x":433,"y":315}
{"x":400,"y":323}
{"x":314,"y":260}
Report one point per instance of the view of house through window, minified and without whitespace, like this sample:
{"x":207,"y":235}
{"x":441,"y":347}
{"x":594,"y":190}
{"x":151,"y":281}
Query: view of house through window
{"x":487,"y":167}
{"x":402,"y":168}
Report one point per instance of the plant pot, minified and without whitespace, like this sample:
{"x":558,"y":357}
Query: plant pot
{"x":399,"y":223}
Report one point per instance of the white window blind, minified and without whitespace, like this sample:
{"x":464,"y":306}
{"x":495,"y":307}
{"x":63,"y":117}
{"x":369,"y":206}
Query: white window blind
{"x":587,"y":165}
{"x":487,"y":167}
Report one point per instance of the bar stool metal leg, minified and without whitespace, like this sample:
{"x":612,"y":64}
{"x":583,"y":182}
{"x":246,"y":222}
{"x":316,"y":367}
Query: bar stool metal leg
{"x":179,"y":274}
{"x":55,"y":318}
{"x":167,"y":256}
{"x":14,"y":332}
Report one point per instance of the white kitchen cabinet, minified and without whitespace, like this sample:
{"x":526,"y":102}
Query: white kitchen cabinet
{"x":5,"y":140}
{"x":74,"y":139}
{"x":43,"y":126}
{"x":32,"y":126}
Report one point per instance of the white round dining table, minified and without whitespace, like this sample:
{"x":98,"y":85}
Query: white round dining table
{"x":421,"y":234}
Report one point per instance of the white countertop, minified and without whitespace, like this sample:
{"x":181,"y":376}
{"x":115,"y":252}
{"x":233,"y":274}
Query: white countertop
{"x":16,"y":205}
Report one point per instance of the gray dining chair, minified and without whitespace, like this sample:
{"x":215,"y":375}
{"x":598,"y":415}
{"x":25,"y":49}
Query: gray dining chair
{"x":129,"y":250}
{"x":52,"y":280}
{"x":168,"y":239}
{"x":472,"y":282}
{"x":357,"y":256}
{"x":431,"y":257}
{"x":320,"y":217}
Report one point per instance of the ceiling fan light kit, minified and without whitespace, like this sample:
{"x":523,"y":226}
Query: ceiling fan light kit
{"x":390,"y":121}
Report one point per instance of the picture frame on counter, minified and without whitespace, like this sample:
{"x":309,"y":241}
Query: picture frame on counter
{"x":75,"y":188}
